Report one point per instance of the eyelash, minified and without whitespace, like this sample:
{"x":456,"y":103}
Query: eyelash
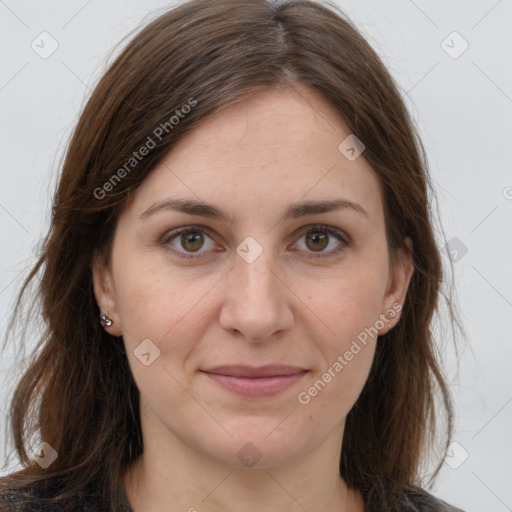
{"x":340,"y":235}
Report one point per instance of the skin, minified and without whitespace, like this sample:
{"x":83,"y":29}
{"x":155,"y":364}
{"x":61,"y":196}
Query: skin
{"x":288,"y":306}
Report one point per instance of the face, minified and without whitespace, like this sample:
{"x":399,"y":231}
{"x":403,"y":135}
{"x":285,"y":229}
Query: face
{"x":283,"y":264}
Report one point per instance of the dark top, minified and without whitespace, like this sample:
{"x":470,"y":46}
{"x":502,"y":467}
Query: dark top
{"x":14,"y":501}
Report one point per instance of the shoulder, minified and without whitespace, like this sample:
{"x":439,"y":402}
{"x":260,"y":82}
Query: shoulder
{"x":37,"y":496}
{"x":419,"y":500}
{"x":385,"y":495}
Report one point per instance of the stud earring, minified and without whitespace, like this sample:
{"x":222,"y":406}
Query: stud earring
{"x":105,"y":321}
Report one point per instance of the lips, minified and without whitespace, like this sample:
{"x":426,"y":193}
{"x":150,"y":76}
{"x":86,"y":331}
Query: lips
{"x":255,"y":372}
{"x":255,"y":382}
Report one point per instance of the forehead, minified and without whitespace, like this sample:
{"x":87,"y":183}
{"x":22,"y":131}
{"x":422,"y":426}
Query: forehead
{"x":273,"y":148}
{"x":278,"y":122}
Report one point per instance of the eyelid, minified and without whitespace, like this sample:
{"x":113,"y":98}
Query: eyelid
{"x":337,"y":232}
{"x":173,"y":233}
{"x":331,"y":230}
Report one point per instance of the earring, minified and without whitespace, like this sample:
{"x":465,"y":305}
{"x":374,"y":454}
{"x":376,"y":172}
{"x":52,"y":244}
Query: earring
{"x":105,"y":321}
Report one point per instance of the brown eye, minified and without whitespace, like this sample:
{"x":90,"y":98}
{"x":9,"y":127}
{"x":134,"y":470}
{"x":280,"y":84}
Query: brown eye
{"x":322,"y":241}
{"x":192,"y":241}
{"x":184,"y":242}
{"x":316,"y":240}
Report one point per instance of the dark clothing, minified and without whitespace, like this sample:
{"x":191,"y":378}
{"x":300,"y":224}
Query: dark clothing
{"x":14,"y":501}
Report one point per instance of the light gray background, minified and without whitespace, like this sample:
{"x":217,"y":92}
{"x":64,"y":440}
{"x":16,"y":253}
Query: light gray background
{"x":462,"y":105}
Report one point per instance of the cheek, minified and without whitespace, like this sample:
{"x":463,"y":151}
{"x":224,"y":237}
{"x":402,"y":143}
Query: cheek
{"x":347,"y":350}
{"x":347,"y":302}
{"x":348,"y":306}
{"x":331,"y":394}
{"x":161,"y":304}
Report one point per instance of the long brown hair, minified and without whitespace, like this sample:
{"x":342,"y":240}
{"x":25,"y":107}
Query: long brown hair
{"x":78,"y":391}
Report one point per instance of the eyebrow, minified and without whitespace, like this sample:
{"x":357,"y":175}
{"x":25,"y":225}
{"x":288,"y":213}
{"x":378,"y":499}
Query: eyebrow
{"x":295,"y":211}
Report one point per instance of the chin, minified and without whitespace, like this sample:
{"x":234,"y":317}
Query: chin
{"x":259,"y":444}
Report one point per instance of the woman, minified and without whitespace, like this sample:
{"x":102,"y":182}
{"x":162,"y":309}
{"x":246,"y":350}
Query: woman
{"x":238,"y":281}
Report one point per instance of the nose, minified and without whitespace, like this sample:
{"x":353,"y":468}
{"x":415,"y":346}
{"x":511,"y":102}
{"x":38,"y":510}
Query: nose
{"x":257,"y":300}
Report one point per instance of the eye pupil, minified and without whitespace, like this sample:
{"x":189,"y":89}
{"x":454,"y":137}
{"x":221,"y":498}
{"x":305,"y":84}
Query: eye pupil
{"x":194,"y":238}
{"x":319,"y":240}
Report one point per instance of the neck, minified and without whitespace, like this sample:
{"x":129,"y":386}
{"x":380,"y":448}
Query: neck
{"x":174,"y":476}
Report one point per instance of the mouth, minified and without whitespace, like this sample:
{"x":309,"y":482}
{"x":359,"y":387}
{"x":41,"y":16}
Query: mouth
{"x":263,"y":381}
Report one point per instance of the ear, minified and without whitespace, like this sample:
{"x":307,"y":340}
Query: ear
{"x":104,"y":292}
{"x":397,"y":286}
